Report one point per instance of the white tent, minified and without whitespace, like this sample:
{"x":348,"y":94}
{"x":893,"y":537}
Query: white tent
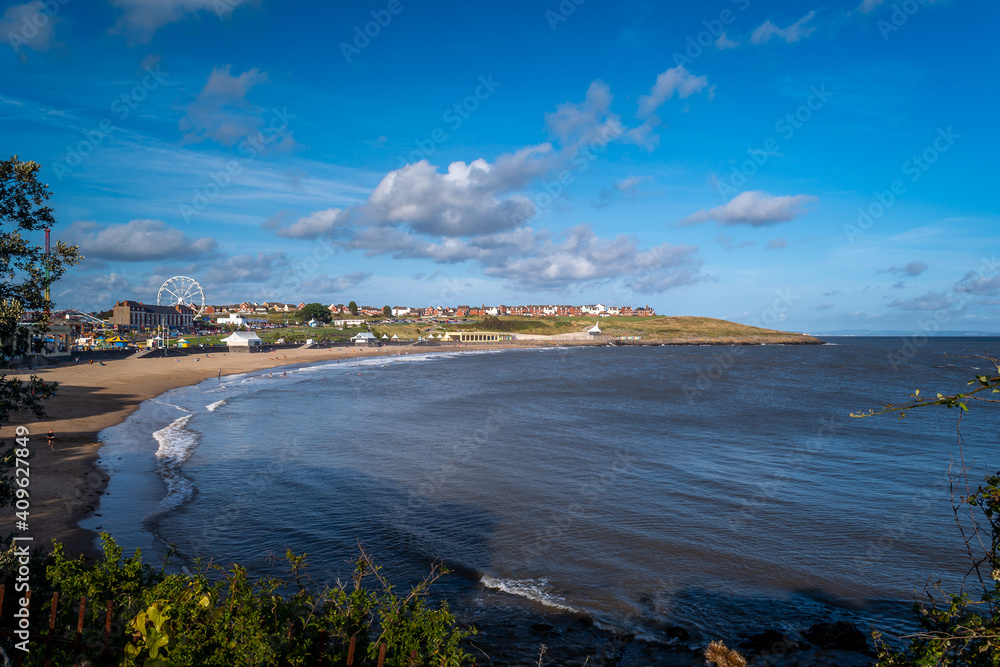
{"x":243,"y":339}
{"x":384,"y":337}
{"x":595,"y":330}
{"x":394,"y":337}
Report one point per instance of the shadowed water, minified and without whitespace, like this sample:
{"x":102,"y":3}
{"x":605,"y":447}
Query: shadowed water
{"x":723,"y":489}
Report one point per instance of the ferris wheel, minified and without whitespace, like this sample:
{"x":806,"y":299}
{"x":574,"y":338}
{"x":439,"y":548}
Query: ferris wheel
{"x":181,"y":290}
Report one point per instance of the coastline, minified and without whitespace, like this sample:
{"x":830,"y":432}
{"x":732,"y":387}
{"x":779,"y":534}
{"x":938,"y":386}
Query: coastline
{"x":93,"y":397}
{"x":68,"y":483}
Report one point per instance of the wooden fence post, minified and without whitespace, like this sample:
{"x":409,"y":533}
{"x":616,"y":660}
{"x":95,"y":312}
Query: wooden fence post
{"x":350,"y":652}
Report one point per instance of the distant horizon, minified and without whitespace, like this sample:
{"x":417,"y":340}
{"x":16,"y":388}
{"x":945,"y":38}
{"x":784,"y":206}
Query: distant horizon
{"x":820,"y":168}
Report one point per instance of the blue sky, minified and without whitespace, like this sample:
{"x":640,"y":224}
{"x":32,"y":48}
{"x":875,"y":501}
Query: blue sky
{"x":808,"y":167}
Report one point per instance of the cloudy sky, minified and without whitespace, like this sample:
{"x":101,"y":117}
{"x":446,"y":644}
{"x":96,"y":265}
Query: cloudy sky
{"x":813,"y":167}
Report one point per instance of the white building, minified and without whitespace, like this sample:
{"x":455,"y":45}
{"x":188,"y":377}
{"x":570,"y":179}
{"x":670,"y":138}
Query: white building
{"x":242,"y":340}
{"x":398,"y":311}
{"x":365,"y":338}
{"x":348,"y":323}
{"x":595,"y":309}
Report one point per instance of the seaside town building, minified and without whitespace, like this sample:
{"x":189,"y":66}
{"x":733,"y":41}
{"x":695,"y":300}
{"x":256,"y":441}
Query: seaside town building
{"x":138,"y":315}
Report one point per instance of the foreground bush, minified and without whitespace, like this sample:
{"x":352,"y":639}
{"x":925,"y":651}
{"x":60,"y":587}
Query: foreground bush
{"x":219,"y":616}
{"x":960,"y":628}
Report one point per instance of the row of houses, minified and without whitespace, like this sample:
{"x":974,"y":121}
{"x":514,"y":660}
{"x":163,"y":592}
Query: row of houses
{"x":592,"y":310}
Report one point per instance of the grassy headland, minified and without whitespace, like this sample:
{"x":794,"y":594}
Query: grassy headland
{"x":665,"y":329}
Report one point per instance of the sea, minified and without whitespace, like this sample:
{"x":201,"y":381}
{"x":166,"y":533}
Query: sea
{"x":721,"y":489}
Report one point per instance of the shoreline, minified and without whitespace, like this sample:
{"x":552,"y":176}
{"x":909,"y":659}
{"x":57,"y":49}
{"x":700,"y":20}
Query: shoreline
{"x":68,"y":482}
{"x":91,"y":398}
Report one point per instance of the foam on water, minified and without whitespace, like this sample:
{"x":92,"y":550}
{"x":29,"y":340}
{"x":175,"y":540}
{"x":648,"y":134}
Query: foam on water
{"x":536,"y":590}
{"x":176,"y":444}
{"x":211,"y":407}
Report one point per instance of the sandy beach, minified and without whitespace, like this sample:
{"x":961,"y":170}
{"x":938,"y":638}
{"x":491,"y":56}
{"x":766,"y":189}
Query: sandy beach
{"x":66,"y":483}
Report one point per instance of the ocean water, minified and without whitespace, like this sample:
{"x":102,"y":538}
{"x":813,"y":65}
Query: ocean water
{"x":722,"y":489}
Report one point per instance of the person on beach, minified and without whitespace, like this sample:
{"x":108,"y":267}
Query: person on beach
{"x":52,"y":440}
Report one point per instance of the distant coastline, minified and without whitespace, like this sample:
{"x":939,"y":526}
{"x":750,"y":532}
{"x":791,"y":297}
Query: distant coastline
{"x":94,"y":397}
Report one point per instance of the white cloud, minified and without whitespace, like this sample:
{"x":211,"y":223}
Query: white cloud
{"x":675,"y":80}
{"x":575,"y":125}
{"x":911,"y":269}
{"x":141,"y":18}
{"x":537,"y":260}
{"x":320,"y":223}
{"x":867,"y":6}
{"x":31,"y":24}
{"x":724,"y":42}
{"x":754,"y":208}
{"x":928,"y":301}
{"x":222,"y":113}
{"x":249,"y":268}
{"x":137,"y":241}
{"x":777,"y":244}
{"x":793,"y":33}
{"x":462,"y":202}
{"x":627,"y":188}
{"x":471,"y":213}
{"x":975,"y":283}
{"x":322,"y":286}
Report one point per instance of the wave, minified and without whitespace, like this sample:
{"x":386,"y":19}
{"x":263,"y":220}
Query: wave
{"x":536,"y":590}
{"x":211,"y":407}
{"x":177,"y":443}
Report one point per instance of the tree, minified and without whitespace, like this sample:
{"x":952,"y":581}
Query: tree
{"x":315,"y":311}
{"x":26,"y":270}
{"x":353,"y":307}
{"x":387,"y":311}
{"x":954,"y":628}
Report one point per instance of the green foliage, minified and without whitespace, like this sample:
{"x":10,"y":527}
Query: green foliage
{"x":957,"y":628}
{"x":314,"y":311}
{"x":224,"y":617}
{"x":353,"y":307}
{"x":23,"y":279}
{"x":387,"y":312}
{"x":124,"y":580}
